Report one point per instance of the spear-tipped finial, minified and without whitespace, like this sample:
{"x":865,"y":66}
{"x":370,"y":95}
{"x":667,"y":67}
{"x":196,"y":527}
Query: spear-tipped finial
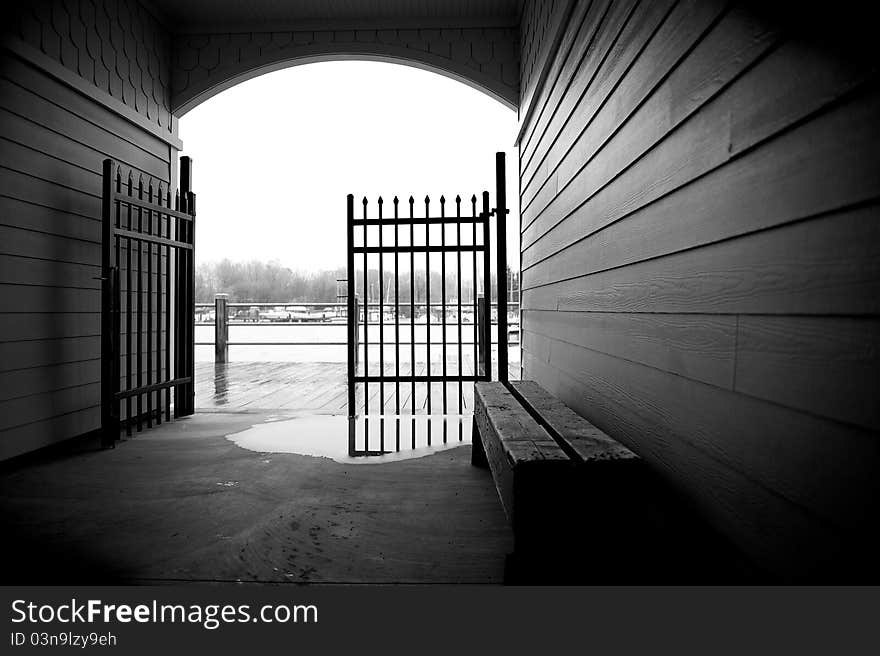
{"x":395,"y":200}
{"x":427,"y":199}
{"x":411,"y":200}
{"x":474,"y":198}
{"x":457,"y":200}
{"x":364,"y":201}
{"x":442,"y":200}
{"x":380,"y":200}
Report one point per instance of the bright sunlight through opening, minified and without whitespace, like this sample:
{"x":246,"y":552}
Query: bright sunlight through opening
{"x":275,"y":156}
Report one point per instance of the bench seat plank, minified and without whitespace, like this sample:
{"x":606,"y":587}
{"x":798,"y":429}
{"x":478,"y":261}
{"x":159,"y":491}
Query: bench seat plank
{"x":610,"y":478}
{"x":585,"y":442}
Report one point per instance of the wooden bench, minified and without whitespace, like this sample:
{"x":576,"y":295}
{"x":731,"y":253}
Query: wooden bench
{"x":574,"y":496}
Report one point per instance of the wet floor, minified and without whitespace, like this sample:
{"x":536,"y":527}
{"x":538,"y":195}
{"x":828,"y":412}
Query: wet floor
{"x":368,"y":439}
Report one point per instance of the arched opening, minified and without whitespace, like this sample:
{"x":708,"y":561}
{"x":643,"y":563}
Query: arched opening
{"x":272,"y":213}
{"x":192,"y":96}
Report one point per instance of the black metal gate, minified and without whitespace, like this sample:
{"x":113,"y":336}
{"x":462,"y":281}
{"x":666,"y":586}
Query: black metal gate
{"x":147,"y":274}
{"x":399,"y":248}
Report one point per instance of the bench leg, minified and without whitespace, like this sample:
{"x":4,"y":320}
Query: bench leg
{"x":478,"y":453}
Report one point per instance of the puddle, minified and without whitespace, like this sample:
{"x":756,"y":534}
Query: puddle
{"x":360,"y":440}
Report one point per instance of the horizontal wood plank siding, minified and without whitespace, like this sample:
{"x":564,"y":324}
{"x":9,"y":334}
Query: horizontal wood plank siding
{"x":698,"y":347}
{"x":53,"y":140}
{"x":783,"y":537}
{"x":675,"y":401}
{"x":39,"y":380}
{"x":701,"y":264}
{"x":47,"y":432}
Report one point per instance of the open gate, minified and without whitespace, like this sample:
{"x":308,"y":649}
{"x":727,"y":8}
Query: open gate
{"x":394,"y":351}
{"x":147,"y":321}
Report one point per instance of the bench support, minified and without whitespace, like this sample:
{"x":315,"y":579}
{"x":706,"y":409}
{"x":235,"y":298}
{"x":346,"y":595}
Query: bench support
{"x":573,"y":496}
{"x":531,"y":472}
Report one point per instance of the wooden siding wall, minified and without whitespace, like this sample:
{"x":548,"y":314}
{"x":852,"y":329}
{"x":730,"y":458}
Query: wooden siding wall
{"x":701,"y":265}
{"x":71,"y":94}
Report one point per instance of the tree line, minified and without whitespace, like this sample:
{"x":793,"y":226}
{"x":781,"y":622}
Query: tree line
{"x":269,"y":282}
{"x":264,"y":282}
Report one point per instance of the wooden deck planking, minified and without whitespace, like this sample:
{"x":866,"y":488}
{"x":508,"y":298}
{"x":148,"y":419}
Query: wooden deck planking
{"x":320,"y":387}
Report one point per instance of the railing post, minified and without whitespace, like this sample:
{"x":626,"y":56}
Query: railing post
{"x":501,"y":262}
{"x":356,"y":344}
{"x":484,"y":347}
{"x":221,"y":328}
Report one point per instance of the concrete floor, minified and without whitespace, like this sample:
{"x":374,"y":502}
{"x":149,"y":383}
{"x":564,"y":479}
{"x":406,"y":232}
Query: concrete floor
{"x":181,"y":502}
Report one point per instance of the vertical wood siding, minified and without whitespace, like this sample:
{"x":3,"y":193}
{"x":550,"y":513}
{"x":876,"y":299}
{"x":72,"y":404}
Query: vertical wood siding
{"x":701,"y":264}
{"x":53,"y":140}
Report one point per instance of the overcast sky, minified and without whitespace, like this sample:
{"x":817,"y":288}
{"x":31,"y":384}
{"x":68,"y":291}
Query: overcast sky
{"x":274,"y":157}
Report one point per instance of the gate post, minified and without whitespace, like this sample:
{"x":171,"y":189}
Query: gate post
{"x":184,"y":395}
{"x":350,"y":303}
{"x":109,"y":343}
{"x":487,"y":291}
{"x":221,"y":328}
{"x":501,"y":262}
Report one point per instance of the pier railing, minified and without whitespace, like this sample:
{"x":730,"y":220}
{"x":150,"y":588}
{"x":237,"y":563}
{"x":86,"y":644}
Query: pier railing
{"x":303,"y":315}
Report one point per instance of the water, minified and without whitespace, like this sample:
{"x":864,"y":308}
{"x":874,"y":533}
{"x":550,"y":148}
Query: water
{"x":358,"y":440}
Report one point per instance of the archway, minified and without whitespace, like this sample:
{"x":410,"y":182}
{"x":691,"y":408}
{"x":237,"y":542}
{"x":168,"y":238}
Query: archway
{"x":351,"y":162}
{"x":483,"y":58}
